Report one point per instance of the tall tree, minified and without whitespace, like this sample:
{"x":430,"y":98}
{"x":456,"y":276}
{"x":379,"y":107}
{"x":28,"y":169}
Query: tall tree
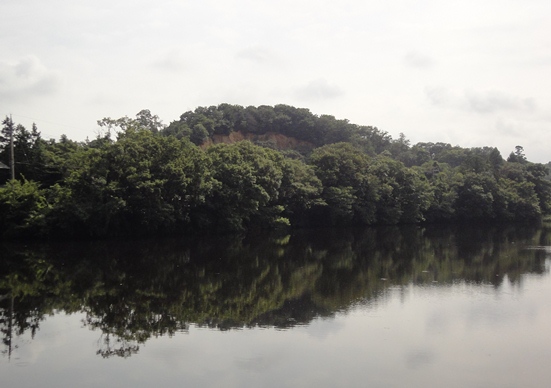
{"x":246,"y":188}
{"x":349,"y":189}
{"x":6,"y":142}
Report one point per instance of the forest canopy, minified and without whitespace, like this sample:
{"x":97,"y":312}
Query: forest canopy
{"x":230,"y":168}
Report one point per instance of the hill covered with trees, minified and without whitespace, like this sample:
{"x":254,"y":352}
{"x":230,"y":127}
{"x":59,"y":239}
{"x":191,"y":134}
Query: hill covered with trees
{"x":231,"y":168}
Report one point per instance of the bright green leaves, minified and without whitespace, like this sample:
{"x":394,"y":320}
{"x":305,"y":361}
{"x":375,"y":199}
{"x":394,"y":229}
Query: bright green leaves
{"x":23,"y":206}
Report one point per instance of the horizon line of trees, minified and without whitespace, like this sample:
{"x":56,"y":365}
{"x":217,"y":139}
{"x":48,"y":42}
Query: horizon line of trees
{"x":141,"y":177}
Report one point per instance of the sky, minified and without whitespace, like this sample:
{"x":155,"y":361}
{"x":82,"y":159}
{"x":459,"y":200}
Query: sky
{"x":470,"y":73}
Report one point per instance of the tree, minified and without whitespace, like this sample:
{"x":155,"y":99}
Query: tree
{"x":400,"y":146}
{"x":403,"y":193}
{"x":537,"y":175}
{"x":517,"y":156}
{"x":476,"y":197}
{"x":149,"y":121}
{"x":516,"y":201}
{"x":29,"y":156}
{"x":495,"y":160}
{"x":300,"y":191}
{"x":348,"y":187}
{"x":8,"y":127}
{"x":6,"y":143}
{"x":141,"y":184}
{"x":246,"y":187}
{"x":444,"y":182}
{"x":198,"y":134}
{"x":144,"y":121}
{"x":22,"y":209}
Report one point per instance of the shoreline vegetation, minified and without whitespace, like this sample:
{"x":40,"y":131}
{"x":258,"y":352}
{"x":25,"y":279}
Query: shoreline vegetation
{"x":229,"y":168}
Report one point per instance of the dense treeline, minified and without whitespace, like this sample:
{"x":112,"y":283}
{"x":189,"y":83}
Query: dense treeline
{"x":140,"y":177}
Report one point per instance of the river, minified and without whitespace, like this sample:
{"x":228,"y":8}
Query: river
{"x":434,"y":306}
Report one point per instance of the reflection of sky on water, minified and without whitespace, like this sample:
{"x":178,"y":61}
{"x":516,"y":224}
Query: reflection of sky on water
{"x":459,"y":335}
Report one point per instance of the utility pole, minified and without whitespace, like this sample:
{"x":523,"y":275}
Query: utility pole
{"x":12,"y":158}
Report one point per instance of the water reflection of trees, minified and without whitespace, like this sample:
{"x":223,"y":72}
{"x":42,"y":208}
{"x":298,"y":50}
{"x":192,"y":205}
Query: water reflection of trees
{"x":131,"y":291}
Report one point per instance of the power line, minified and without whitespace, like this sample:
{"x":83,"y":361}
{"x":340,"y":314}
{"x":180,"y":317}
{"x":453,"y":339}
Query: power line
{"x":42,"y":120}
{"x":51,"y":122}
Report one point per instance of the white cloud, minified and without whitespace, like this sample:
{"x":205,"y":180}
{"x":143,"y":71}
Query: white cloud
{"x":318,"y":89}
{"x":25,"y":79}
{"x":495,"y":101}
{"x":172,"y":62}
{"x":256,"y":54}
{"x":352,"y":59}
{"x":479,"y":102}
{"x":439,"y":96}
{"x":418,"y":60}
{"x":509,"y":127}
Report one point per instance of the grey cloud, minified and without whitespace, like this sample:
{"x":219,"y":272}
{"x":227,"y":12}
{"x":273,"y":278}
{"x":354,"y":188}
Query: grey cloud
{"x":25,"y":67}
{"x":508,"y":127}
{"x":491,"y":102}
{"x":255,"y":54}
{"x":46,"y":85}
{"x":479,"y":102}
{"x":319,"y":89}
{"x":418,"y":60}
{"x":26,"y":79}
{"x":171,"y":62}
{"x":439,"y":96}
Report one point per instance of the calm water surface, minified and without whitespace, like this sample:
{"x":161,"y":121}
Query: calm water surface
{"x":381,"y":307}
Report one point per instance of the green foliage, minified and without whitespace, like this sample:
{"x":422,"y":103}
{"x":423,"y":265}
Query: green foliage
{"x":140,"y":177}
{"x":444,"y":183}
{"x":537,"y":175}
{"x":29,"y":151}
{"x":140,"y":184}
{"x":298,"y":123}
{"x":22,"y":208}
{"x":300,"y":191}
{"x":518,"y":200}
{"x":247,"y":180}
{"x":145,"y":183}
{"x":348,"y":187}
{"x":403,"y":193}
{"x":475,"y":197}
{"x":517,"y":156}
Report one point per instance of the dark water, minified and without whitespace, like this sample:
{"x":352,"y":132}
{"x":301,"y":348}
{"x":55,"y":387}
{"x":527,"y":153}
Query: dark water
{"x":382,"y":307}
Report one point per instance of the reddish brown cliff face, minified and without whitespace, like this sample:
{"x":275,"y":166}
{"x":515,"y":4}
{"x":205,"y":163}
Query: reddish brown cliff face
{"x":279,"y":141}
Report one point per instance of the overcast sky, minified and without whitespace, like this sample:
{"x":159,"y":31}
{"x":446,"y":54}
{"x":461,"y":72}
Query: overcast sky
{"x":470,"y":73}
